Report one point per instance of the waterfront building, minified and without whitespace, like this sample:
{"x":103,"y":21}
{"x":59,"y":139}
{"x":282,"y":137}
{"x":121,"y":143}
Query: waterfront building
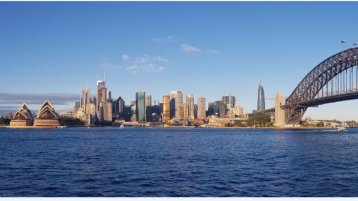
{"x":219,"y":109}
{"x":166,"y":108}
{"x":230,"y":100}
{"x":153,"y":113}
{"x":176,"y":98}
{"x":260,"y":98}
{"x":148,"y":100}
{"x":101,"y":96}
{"x":182,"y":113}
{"x":140,"y":107}
{"x":190,"y":106}
{"x":47,"y":117}
{"x":201,"y":107}
{"x":128,"y":112}
{"x":118,"y":107}
{"x":22,"y":117}
{"x":107,"y":111}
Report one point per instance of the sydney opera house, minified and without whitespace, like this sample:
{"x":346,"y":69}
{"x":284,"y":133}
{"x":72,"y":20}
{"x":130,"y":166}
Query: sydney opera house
{"x":45,"y":118}
{"x":22,"y":118}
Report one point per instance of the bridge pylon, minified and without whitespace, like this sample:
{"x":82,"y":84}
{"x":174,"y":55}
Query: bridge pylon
{"x":280,"y":112}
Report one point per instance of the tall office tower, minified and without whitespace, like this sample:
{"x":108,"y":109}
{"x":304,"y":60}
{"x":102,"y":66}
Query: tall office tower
{"x":222,"y":109}
{"x":201,"y":107}
{"x":260,"y":98}
{"x":140,"y":107}
{"x":181,"y":111}
{"x":109,"y":96}
{"x":195,"y":111}
{"x":190,"y":106}
{"x":176,"y":98}
{"x":118,"y":106}
{"x":166,"y":108}
{"x":100,"y":113}
{"x":148,"y":100}
{"x":172,"y":104}
{"x":210,"y":109}
{"x":85,"y":99}
{"x":230,"y":100}
{"x":77,"y":106}
{"x":107,"y":111}
{"x":101,"y":94}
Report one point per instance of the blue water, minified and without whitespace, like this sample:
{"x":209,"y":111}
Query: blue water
{"x":178,"y":162}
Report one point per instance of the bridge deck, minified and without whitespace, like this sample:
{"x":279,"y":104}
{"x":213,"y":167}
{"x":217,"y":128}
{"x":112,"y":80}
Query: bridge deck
{"x":330,"y":99}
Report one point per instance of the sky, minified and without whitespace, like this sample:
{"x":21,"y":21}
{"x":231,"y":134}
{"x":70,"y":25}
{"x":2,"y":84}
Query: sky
{"x":51,"y":50}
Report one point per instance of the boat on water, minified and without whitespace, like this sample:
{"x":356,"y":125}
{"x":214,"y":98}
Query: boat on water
{"x":341,"y":129}
{"x":121,"y":126}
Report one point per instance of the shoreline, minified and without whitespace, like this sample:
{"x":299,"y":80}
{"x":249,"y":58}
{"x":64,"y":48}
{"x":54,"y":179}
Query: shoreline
{"x":251,"y":128}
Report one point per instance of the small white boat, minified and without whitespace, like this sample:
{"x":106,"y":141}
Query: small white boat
{"x":341,"y":129}
{"x":121,"y":126}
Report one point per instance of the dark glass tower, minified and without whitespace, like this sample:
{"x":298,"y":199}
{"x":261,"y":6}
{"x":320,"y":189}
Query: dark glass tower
{"x":140,"y":106}
{"x":261,"y":98}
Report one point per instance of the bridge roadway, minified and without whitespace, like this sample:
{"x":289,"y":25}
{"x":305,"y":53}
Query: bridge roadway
{"x":330,"y":99}
{"x":318,"y":101}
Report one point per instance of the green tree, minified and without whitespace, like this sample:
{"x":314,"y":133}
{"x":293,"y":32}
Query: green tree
{"x":320,"y":124}
{"x":259,"y":120}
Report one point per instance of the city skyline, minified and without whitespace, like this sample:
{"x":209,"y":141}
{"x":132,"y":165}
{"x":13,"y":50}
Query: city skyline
{"x":211,"y":60}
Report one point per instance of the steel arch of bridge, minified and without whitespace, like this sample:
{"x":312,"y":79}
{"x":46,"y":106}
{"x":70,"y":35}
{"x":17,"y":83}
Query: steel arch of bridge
{"x":306,"y":92}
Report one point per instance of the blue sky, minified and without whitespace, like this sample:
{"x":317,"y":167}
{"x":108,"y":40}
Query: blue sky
{"x":204,"y":48}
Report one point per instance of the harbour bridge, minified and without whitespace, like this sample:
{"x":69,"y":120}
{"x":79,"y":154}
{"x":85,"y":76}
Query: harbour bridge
{"x":334,"y":79}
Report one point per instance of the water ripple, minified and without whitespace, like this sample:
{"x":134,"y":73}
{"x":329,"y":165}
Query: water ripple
{"x":177,"y":162}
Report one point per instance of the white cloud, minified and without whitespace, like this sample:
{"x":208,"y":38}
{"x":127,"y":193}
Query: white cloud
{"x":147,"y":63}
{"x":36,"y":98}
{"x":125,"y":57}
{"x":189,"y":49}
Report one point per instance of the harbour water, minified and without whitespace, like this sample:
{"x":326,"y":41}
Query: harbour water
{"x":178,"y":162}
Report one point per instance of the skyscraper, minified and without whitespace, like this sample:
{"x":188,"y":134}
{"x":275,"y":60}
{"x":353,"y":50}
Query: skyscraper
{"x":107,"y":111}
{"x":181,"y":111}
{"x":176,"y":98}
{"x":201,"y":107}
{"x":229,"y":100}
{"x":148,"y":100}
{"x":101,"y":96}
{"x":85,"y":99}
{"x":260,"y":98}
{"x":140,"y":107}
{"x":190,"y":106}
{"x":166,"y":108}
{"x":118,"y":107}
{"x":109,"y":96}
